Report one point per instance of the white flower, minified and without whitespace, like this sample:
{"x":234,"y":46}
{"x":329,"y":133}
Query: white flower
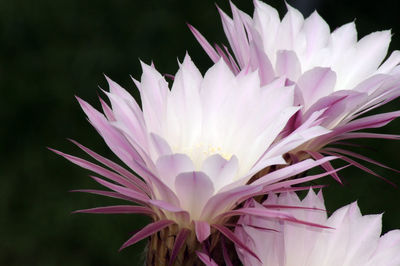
{"x":195,"y":146}
{"x":354,"y":239}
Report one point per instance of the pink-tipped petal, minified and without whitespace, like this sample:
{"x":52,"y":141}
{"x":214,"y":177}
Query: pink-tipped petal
{"x":231,"y":236}
{"x":224,"y":57}
{"x":205,"y":44}
{"x":291,"y":170}
{"x":100,"y":170}
{"x":373,"y":121}
{"x":118,"y":209}
{"x":146,"y":231}
{"x":107,"y":110}
{"x":117,"y":143}
{"x":361,"y":157}
{"x":115,"y":167}
{"x":360,"y":166}
{"x":138,"y":197}
{"x":327,"y":166}
{"x":110,"y":194}
{"x":279,"y":215}
{"x":224,"y":201}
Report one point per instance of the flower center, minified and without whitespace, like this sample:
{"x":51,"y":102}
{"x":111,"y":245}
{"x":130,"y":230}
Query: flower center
{"x":199,"y":152}
{"x":210,"y":150}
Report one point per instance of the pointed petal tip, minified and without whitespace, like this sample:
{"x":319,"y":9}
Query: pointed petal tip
{"x":55,"y":151}
{"x":143,"y":65}
{"x":51,"y":149}
{"x":72,"y":140}
{"x":106,"y":77}
{"x":78,"y":98}
{"x":187,"y":59}
{"x":233,"y":6}
{"x":221,"y":12}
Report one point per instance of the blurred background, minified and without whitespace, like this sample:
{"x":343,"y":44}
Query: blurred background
{"x":51,"y":50}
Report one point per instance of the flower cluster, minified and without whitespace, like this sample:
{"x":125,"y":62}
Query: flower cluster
{"x":207,"y":157}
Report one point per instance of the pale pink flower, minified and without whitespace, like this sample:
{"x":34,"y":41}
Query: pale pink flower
{"x":195,"y":146}
{"x":338,"y":79}
{"x":354,"y":239}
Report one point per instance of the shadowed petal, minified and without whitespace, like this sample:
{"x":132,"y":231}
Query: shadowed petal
{"x":202,"y":230}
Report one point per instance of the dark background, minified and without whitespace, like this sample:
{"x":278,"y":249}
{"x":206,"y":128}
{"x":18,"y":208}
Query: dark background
{"x":51,"y":50}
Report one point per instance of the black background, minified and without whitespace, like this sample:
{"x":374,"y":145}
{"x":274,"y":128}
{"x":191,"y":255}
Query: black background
{"x":51,"y":50}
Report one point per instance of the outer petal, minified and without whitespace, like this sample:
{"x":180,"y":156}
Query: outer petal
{"x":193,"y":189}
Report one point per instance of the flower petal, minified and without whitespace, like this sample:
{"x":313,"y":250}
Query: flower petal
{"x":193,"y":190}
{"x":202,"y":230}
{"x":146,"y":231}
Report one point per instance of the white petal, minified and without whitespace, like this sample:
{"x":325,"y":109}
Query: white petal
{"x":316,"y":84}
{"x":222,"y":172}
{"x":184,"y":106}
{"x":288,"y":65}
{"x":317,"y":33}
{"x":288,"y":33}
{"x":387,"y":252}
{"x":153,"y":92}
{"x":267,"y":21}
{"x":390,"y":63}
